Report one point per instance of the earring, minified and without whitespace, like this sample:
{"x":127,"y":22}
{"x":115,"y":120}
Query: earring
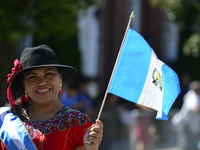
{"x":60,"y":91}
{"x":25,"y":97}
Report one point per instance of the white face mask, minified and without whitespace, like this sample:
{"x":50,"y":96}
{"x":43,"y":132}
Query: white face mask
{"x":93,"y":89}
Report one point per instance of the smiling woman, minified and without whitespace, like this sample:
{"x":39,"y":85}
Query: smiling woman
{"x":43,"y":83}
{"x":38,"y":117}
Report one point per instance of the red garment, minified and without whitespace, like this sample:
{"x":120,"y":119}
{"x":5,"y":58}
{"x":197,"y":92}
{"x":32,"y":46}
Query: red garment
{"x":65,"y":131}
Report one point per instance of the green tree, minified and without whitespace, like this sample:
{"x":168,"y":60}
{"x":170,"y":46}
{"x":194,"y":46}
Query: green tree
{"x":187,"y":14}
{"x":50,"y":22}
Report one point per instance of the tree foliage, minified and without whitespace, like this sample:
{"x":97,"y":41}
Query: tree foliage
{"x":187,"y":14}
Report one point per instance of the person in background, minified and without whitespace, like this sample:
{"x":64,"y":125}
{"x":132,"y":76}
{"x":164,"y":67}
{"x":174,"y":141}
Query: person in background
{"x":192,"y":98}
{"x":70,"y":95}
{"x":187,"y":120}
{"x":75,"y":94}
{"x":185,"y":80}
{"x":35,"y":117}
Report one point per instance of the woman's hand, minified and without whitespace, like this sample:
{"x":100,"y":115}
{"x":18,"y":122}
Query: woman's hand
{"x":93,"y":136}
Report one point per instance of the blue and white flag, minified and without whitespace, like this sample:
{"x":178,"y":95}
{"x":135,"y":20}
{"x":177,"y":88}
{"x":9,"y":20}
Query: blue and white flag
{"x":142,"y":78}
{"x":13,"y":133}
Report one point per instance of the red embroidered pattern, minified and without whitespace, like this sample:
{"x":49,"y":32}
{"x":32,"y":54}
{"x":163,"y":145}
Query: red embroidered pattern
{"x":66,"y":118}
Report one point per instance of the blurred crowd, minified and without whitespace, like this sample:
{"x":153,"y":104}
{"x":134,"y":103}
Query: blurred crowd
{"x":186,"y":121}
{"x":83,"y":93}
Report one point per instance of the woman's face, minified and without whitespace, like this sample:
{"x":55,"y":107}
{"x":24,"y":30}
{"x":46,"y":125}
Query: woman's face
{"x":43,"y":84}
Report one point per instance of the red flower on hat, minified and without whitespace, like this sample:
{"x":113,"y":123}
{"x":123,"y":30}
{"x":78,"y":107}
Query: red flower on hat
{"x":17,"y":67}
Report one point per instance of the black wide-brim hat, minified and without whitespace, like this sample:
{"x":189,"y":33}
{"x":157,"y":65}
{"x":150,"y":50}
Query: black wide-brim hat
{"x":38,"y":57}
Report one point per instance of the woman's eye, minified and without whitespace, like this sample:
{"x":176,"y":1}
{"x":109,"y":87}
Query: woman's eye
{"x":49,"y":74}
{"x":31,"y":77}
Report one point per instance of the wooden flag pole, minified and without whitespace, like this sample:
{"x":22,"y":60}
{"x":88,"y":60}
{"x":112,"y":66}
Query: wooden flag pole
{"x":106,"y":93}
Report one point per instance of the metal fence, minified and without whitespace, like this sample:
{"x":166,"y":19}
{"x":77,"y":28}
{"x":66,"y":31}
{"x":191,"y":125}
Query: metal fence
{"x":139,"y":130}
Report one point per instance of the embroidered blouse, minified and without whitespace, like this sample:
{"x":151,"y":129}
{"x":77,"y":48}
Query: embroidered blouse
{"x":64,"y":131}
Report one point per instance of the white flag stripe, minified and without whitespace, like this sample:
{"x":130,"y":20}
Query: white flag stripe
{"x":151,"y":95}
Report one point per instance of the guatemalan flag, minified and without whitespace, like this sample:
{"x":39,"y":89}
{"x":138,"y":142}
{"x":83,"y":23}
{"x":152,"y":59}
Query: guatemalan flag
{"x":140,"y":77}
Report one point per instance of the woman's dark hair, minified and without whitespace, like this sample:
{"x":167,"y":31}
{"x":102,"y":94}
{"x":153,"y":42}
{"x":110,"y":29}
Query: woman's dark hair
{"x":21,"y":106}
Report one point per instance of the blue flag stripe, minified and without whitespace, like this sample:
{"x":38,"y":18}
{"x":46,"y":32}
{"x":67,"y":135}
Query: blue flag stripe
{"x":123,"y":67}
{"x":171,"y":88}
